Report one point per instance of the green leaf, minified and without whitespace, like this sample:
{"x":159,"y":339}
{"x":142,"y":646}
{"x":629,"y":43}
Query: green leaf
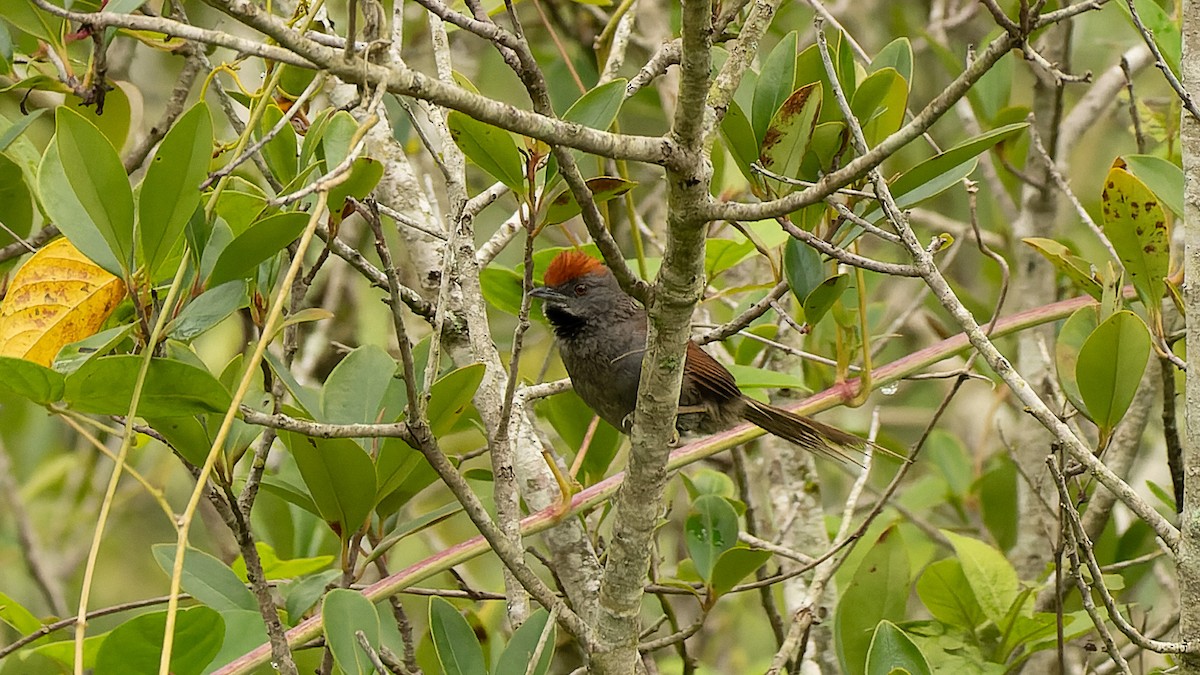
{"x":749,"y":377}
{"x":98,"y":180}
{"x":734,"y":565}
{"x":15,"y":129}
{"x":457,"y":646}
{"x":879,"y":104}
{"x":135,"y":647}
{"x":803,"y":267}
{"x":892,"y":650}
{"x":1077,"y":269}
{"x":244,"y":630}
{"x":563,"y":206}
{"x":708,"y":482}
{"x":789,"y":132}
{"x":207,"y":579}
{"x":945,"y":592}
{"x":947,"y":452}
{"x":171,"y":190}
{"x":598,"y":107}
{"x":312,"y":147}
{"x":340,"y":477}
{"x":260,"y":242}
{"x":823,"y":297}
{"x":1074,"y":332}
{"x":240,"y":207}
{"x":490,"y":148}
{"x":187,"y":435}
{"x":997,"y":490}
{"x":209,"y":309}
{"x":402,"y":474}
{"x":710,"y":530}
{"x":878,"y":590}
{"x":938,"y":173}
{"x":292,"y":494}
{"x":1027,"y":630}
{"x":14,"y":614}
{"x":59,"y":657}
{"x":16,"y":201}
{"x":722,"y":254}
{"x":829,"y":141}
{"x":740,"y":140}
{"x":60,"y":204}
{"x":991,"y":577}
{"x":104,"y":386}
{"x":1136,"y":225}
{"x":1163,"y":28}
{"x":896,"y":54}
{"x":774,"y":84}
{"x":115,"y":121}
{"x":31,"y":380}
{"x":275,"y":569}
{"x":336,"y":138}
{"x":451,"y":395}
{"x":1110,"y":367}
{"x":993,"y":91}
{"x":346,"y":611}
{"x":280,"y":152}
{"x":354,"y":390}
{"x":306,"y":399}
{"x":519,"y":650}
{"x":502,"y":288}
{"x":74,"y":355}
{"x":300,"y":596}
{"x":365,"y":173}
{"x":844,"y":66}
{"x":1163,"y":177}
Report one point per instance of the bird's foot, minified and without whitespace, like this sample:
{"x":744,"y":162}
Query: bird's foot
{"x":568,"y":487}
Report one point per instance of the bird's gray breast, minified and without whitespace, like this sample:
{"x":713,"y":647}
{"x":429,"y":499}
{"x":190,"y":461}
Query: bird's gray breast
{"x":605,"y":373}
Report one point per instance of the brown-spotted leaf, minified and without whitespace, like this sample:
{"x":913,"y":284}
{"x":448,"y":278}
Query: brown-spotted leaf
{"x":1136,"y":224}
{"x":791,"y":129}
{"x":56,"y":298}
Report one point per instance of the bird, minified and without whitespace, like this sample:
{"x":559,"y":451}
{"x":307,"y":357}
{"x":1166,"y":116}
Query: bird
{"x":601,"y":335}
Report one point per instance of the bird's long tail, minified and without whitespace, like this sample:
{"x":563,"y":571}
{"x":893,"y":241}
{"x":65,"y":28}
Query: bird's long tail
{"x":804,"y":432}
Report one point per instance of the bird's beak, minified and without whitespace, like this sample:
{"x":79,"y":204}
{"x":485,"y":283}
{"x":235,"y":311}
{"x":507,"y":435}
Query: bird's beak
{"x":547,"y":294}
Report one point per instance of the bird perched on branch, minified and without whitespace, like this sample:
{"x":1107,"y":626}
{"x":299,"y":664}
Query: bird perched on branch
{"x":601,"y":333}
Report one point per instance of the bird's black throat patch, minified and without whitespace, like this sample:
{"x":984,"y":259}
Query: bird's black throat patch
{"x":566,"y":324}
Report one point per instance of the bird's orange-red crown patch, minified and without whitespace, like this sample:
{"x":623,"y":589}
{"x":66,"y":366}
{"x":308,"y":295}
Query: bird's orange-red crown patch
{"x":570,"y":265}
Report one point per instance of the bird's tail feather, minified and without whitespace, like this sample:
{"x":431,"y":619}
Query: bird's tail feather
{"x":804,"y":432}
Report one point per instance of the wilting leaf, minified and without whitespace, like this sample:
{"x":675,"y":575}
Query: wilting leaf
{"x":56,"y":298}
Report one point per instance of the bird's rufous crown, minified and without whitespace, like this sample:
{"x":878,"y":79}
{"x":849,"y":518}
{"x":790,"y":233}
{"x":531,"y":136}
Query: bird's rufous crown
{"x":569,"y":266}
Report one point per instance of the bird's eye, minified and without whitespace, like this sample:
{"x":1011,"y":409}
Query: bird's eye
{"x":580,"y":289}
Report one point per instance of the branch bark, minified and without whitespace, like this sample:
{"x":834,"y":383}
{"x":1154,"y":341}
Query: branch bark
{"x":1188,"y":552}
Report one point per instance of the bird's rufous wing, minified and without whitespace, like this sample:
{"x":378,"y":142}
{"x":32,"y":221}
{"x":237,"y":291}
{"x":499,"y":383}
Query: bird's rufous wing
{"x":710,"y":375}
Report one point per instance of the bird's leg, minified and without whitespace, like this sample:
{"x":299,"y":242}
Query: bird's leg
{"x":567,"y":487}
{"x":577,"y":465}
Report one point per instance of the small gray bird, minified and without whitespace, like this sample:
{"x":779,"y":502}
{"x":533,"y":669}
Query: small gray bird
{"x":601,"y":333}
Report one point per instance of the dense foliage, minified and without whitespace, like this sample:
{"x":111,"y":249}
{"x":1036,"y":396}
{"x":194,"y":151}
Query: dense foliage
{"x":278,"y":396}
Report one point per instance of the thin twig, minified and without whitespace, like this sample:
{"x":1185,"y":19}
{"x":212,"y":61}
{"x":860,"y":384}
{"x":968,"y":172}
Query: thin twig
{"x":1161,"y":62}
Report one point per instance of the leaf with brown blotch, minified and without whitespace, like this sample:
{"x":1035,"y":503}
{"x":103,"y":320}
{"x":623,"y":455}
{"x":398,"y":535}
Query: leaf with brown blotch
{"x":1137,"y":226}
{"x":56,"y":298}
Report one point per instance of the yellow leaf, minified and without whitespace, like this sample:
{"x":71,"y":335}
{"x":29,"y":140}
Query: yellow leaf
{"x":56,"y":298}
